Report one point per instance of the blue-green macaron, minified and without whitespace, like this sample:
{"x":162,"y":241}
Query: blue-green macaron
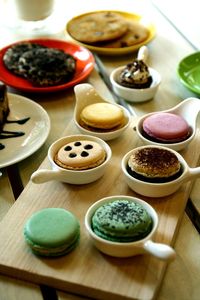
{"x":52,"y":232}
{"x":122,"y":221}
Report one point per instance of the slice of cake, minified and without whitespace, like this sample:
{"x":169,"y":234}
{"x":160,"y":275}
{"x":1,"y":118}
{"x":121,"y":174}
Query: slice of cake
{"x":4,"y":107}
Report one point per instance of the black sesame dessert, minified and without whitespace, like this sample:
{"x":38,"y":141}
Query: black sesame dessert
{"x":122,"y":221}
{"x":153,"y":164}
{"x":80,"y":155}
{"x":135,"y":75}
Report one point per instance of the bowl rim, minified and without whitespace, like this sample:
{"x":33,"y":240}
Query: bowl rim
{"x":69,"y":138}
{"x":107,"y":133}
{"x":153,"y":72}
{"x":139,"y":132}
{"x":92,"y":208}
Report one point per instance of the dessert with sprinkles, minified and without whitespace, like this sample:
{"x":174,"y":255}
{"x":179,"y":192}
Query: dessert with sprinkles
{"x":122,"y":221}
{"x":154,"y":164}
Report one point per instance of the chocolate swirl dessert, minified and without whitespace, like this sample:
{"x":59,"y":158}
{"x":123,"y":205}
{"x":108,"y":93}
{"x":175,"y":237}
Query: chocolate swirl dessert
{"x":152,"y":164}
{"x":135,"y":75}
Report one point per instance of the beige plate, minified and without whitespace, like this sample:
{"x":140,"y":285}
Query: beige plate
{"x":124,"y":50}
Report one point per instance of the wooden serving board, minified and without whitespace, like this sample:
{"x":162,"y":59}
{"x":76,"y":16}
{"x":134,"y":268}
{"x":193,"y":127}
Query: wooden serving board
{"x":85,"y":270}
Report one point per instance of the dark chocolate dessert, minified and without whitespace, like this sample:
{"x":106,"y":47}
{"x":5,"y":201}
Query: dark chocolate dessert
{"x":48,"y":66}
{"x":13,"y":54}
{"x":135,"y":75}
{"x":41,"y":65}
{"x":4,"y":107}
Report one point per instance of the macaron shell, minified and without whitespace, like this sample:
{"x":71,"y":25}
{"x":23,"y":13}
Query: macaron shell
{"x":121,"y":221}
{"x":53,"y":229}
{"x":55,"y":251}
{"x":102,"y":115}
{"x":166,"y":126}
{"x":154,"y":162}
{"x":80,"y":155}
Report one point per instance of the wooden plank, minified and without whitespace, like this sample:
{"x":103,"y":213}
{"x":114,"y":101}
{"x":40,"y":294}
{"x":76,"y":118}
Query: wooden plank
{"x":6,"y":195}
{"x":182,"y":276}
{"x":86,"y":270}
{"x":15,"y":289}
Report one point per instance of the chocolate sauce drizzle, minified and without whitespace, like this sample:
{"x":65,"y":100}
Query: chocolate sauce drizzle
{"x":5,"y":134}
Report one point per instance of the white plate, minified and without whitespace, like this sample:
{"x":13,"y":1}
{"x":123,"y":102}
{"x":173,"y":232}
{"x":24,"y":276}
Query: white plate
{"x":36,"y":130}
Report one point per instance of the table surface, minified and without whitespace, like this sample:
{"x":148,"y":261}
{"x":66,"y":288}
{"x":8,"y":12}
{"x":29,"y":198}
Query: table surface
{"x":173,"y":41}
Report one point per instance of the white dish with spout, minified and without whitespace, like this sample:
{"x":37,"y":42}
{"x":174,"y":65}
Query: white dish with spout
{"x":155,"y":190}
{"x":143,"y":246}
{"x":72,"y":176}
{"x":86,"y":95}
{"x":133,"y":94}
{"x":188,"y":109}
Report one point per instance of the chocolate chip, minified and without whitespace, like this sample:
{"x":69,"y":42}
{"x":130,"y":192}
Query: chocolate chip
{"x":88,"y":147}
{"x":77,"y":144}
{"x":72,"y":155}
{"x":68,"y":148}
{"x":84,"y":154}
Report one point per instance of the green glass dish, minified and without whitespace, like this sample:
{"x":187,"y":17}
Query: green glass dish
{"x":189,"y":72}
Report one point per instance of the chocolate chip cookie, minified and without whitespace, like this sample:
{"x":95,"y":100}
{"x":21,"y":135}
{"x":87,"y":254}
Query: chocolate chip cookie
{"x":97,"y":27}
{"x":13,"y":54}
{"x":47,"y":66}
{"x":135,"y":34}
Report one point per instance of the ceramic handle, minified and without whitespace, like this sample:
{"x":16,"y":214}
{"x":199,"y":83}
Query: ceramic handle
{"x":161,"y":251}
{"x":41,"y":176}
{"x":143,"y":53}
{"x":193,"y":173}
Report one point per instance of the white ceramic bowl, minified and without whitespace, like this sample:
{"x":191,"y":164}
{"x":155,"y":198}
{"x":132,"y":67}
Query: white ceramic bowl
{"x":155,"y":190}
{"x":86,"y":95}
{"x":72,"y":176}
{"x":145,"y":245}
{"x":135,"y":95}
{"x":188,"y":109}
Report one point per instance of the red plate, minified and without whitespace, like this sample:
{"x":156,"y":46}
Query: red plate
{"x":84,"y":60}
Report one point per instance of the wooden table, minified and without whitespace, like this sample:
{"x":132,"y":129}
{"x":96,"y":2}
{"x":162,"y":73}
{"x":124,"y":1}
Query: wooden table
{"x":166,"y":50}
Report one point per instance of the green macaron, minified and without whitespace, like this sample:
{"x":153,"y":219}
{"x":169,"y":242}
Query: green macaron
{"x":52,"y":232}
{"x":122,"y":221}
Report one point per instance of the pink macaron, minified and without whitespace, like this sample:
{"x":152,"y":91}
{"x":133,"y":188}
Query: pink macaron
{"x":166,"y":127}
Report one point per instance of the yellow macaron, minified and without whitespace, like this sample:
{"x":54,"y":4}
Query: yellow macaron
{"x":102,"y":116}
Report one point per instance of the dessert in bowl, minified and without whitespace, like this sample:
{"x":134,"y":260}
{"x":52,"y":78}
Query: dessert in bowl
{"x":95,"y":116}
{"x":136,"y":82}
{"x":156,"y":171}
{"x":174,"y":128}
{"x":124,"y":226}
{"x":75,"y":159}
